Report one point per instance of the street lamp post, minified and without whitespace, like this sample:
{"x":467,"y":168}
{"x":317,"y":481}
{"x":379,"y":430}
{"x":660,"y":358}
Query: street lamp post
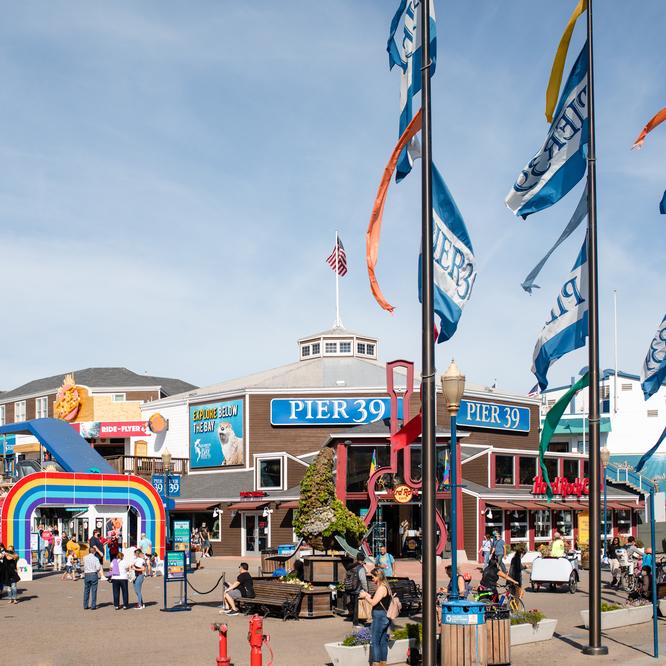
{"x":604,"y":454}
{"x":453,"y":386}
{"x":166,"y":468}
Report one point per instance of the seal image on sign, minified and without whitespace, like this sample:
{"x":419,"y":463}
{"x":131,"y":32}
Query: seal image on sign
{"x":232,"y":445}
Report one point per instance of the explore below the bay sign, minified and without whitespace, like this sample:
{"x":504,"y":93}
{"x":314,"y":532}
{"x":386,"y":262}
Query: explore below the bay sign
{"x":216,"y":434}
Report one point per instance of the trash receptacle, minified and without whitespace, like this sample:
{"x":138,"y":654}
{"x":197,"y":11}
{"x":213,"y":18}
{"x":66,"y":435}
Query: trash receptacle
{"x":463,"y":638}
{"x":498,"y":627}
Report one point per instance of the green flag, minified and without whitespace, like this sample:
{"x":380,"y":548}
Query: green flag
{"x":550,"y":423}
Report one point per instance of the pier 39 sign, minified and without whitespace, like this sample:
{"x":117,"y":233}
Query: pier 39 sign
{"x":357,"y":411}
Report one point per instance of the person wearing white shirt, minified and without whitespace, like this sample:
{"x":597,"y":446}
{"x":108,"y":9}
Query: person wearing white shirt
{"x":139,"y":565}
{"x":57,"y":550}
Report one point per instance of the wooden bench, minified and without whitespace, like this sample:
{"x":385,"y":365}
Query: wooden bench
{"x":271,"y":595}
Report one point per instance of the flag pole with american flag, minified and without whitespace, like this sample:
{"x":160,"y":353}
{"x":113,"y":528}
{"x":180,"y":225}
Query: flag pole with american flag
{"x":337,"y":260}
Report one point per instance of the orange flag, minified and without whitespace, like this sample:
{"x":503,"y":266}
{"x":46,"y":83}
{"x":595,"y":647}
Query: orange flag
{"x":375,"y":226}
{"x":658,"y":119}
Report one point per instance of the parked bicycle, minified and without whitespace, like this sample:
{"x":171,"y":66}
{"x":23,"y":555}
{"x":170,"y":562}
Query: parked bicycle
{"x":509,"y":595}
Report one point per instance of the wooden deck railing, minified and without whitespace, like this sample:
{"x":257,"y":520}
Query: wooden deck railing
{"x":146,"y":466}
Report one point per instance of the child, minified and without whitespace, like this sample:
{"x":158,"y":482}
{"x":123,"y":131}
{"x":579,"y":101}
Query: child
{"x":76,"y":563}
{"x":69,"y":567}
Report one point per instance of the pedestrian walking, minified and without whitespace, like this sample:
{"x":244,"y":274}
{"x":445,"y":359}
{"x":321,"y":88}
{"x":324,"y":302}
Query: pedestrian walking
{"x":381,"y":623}
{"x":486,"y":547}
{"x":205,"y":540}
{"x":120,"y":581}
{"x":139,"y":566}
{"x":386,"y":562}
{"x":516,"y":567}
{"x":9,"y":573}
{"x":614,"y":561}
{"x":97,"y":547}
{"x":69,"y":567}
{"x":57,"y":550}
{"x":356,"y":581}
{"x":91,"y":572}
{"x":499,"y":550}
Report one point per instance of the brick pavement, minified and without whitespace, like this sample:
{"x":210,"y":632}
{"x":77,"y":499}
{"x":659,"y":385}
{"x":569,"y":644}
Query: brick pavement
{"x":50,"y":627}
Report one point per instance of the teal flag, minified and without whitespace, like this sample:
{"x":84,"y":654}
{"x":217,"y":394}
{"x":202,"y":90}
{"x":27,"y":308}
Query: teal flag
{"x":550,"y":423}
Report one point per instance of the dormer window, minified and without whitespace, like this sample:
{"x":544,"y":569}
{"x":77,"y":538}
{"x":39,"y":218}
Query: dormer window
{"x":305,"y":351}
{"x":331,"y":348}
{"x":345,"y":347}
{"x":316,"y":349}
{"x":370,"y":349}
{"x":360,"y":348}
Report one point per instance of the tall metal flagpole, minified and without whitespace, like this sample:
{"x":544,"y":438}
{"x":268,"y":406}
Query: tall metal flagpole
{"x":594,"y":646}
{"x":337,"y":282}
{"x":427,"y":357}
{"x":615,"y":351}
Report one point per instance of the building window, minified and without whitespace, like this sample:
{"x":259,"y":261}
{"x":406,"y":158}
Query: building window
{"x":503,"y":470}
{"x":305,"y":350}
{"x":564,"y":523}
{"x":527,"y":471}
{"x":542,"y":525}
{"x":41,"y":408}
{"x":552,"y":466}
{"x":2,"y":415}
{"x":358,"y":467}
{"x":652,"y":413}
{"x":623,"y":517}
{"x":345,"y":347}
{"x":19,"y":411}
{"x":570,"y":469}
{"x":331,"y":347}
{"x":609,"y":523}
{"x":494,"y":520}
{"x":270,"y":473}
{"x":627,"y":387}
{"x":605,"y":392}
{"x":119,"y":397}
{"x":518,"y":525}
{"x":316,"y":348}
{"x":360,"y":348}
{"x":586,"y":469}
{"x":370,"y":350}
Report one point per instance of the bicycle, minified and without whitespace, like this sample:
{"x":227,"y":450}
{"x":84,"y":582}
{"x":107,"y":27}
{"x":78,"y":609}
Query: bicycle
{"x":509,"y":595}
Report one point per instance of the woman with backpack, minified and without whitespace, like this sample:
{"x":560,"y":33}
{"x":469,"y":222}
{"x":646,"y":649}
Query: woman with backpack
{"x":380,"y":602}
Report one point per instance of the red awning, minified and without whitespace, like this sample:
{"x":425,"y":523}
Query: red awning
{"x":194,"y":506}
{"x":247,"y":506}
{"x":501,"y":505}
{"x":289,"y":505}
{"x":530,"y":506}
{"x":625,"y":505}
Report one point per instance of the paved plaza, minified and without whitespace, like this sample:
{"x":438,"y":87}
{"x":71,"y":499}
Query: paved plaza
{"x":50,"y":627}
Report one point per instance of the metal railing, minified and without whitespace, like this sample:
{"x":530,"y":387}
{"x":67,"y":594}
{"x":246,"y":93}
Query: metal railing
{"x":145,"y":465}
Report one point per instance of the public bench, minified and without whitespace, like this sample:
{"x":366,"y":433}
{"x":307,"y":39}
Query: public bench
{"x":274,"y":596}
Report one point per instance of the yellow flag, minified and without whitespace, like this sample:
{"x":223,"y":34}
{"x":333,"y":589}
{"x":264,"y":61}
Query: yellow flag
{"x":558,"y":64}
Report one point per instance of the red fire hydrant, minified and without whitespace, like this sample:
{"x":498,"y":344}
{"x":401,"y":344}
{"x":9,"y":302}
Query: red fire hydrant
{"x":222,"y":659}
{"x":256,"y":638}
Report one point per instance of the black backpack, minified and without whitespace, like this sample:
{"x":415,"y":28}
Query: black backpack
{"x":352,"y":581}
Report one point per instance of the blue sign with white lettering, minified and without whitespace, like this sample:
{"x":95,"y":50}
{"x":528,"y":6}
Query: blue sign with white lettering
{"x":158,"y":483}
{"x":493,"y":415}
{"x":7,"y":444}
{"x":174,"y":485}
{"x":330,"y":411}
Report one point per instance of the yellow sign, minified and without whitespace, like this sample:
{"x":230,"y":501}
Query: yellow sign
{"x":68,"y":400}
{"x":584,"y":528}
{"x":403,"y":493}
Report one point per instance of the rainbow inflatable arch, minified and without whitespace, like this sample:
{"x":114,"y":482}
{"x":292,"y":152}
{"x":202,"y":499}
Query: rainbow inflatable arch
{"x":73,"y":489}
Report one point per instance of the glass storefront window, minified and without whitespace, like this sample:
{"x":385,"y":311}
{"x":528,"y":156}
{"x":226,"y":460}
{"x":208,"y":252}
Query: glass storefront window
{"x":564,"y":523}
{"x":358,"y":465}
{"x":552,"y":465}
{"x":518,"y":525}
{"x":527,"y":471}
{"x":571,"y":470}
{"x":504,"y":470}
{"x":542,"y":524}
{"x":586,"y":469}
{"x":623,"y":518}
{"x":494,"y":520}
{"x":609,"y":521}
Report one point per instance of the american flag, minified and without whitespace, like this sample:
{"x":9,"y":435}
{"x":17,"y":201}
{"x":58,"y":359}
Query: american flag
{"x":338,"y":251}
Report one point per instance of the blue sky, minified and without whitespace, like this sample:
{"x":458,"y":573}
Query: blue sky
{"x":172,"y":176}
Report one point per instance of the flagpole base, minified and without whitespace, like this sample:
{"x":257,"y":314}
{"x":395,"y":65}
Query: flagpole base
{"x":595,"y":651}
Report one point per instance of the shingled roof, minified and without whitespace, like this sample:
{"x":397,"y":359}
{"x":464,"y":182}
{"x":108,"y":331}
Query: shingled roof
{"x":99,"y":378}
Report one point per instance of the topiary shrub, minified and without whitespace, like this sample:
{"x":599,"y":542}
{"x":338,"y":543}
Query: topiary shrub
{"x":321,"y":515}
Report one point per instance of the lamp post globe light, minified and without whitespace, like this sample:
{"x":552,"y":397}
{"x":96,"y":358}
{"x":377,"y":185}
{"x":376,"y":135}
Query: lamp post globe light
{"x":166,"y":468}
{"x":453,"y":387}
{"x":604,"y":454}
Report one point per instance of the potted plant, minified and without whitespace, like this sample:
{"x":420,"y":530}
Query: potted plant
{"x":321,"y":516}
{"x":531,"y":626}
{"x":354,"y":649}
{"x":614,"y":615}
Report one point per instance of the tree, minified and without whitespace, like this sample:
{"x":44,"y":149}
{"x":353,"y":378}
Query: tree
{"x":321,"y":515}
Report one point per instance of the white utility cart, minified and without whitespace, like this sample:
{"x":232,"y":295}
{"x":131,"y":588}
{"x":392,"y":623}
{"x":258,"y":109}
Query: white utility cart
{"x":555,"y":571}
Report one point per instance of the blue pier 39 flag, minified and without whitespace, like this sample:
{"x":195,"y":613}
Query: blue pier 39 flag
{"x":408,"y":56}
{"x":567,"y":325}
{"x":454,"y":260}
{"x":561,"y":161}
{"x":653,"y":373}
